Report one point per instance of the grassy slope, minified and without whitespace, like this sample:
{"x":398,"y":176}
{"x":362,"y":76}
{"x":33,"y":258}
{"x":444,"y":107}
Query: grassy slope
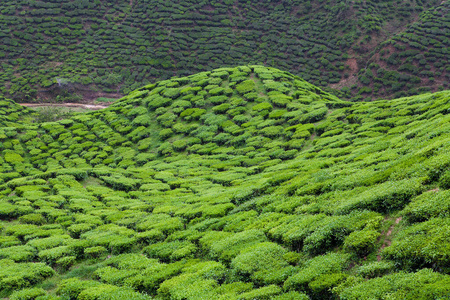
{"x":118,"y":46}
{"x":243,"y":183}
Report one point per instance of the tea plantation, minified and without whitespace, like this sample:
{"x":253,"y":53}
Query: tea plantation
{"x":363,"y":49}
{"x":237,"y":183}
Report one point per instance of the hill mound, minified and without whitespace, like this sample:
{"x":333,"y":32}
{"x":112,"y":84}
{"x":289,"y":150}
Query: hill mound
{"x":370,"y":49}
{"x":239,"y":183}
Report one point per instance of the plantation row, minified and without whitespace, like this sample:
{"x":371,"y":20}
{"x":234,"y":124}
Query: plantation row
{"x":413,"y":61}
{"x":122,"y":45}
{"x":240,"y":183}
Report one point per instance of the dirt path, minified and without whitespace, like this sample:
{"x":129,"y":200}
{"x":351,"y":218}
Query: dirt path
{"x":385,"y":237}
{"x":80,"y":105}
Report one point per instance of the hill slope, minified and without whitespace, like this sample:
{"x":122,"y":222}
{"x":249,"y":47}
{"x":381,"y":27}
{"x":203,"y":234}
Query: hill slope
{"x":239,"y":183}
{"x":371,"y":49}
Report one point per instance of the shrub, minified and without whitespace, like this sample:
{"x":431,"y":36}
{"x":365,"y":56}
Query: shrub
{"x":262,"y":106}
{"x":227,"y":248}
{"x":171,"y":251}
{"x":376,"y":269}
{"x":165,"y":133}
{"x":425,"y":284}
{"x":95,"y":252}
{"x":27,"y":294}
{"x":121,"y":183}
{"x":320,"y":265}
{"x":271,"y":269}
{"x":66,"y":262}
{"x":428,"y":205}
{"x":444,"y":180}
{"x":292,"y":295}
{"x":179,"y":145}
{"x":361,"y":242}
{"x":53,"y":254}
{"x":150,"y":236}
{"x":384,"y":197}
{"x":421,"y":245}
{"x":322,"y":286}
{"x":76,"y":230}
{"x":71,"y":288}
{"x":267,"y":292}
{"x":18,"y":253}
{"x":121,"y":244}
{"x":245,"y":86}
{"x":16,"y":276}
{"x":122,"y":293}
{"x":36,"y":219}
{"x":13,"y":158}
{"x":163,"y":222}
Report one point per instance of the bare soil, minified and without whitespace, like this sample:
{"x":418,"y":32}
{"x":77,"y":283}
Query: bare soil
{"x":385,"y":237}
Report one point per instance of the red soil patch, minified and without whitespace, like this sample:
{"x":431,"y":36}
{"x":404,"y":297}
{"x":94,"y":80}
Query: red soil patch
{"x":387,"y":242}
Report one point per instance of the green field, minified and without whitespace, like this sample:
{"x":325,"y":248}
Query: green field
{"x":238,"y":183}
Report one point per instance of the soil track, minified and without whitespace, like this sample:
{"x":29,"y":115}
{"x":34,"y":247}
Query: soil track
{"x":385,"y":237}
{"x":80,"y":105}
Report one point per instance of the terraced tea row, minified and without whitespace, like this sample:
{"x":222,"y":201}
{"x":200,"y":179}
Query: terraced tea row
{"x":239,"y":183}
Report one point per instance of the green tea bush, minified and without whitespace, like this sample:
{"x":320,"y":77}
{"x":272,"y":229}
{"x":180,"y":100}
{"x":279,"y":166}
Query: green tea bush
{"x":227,"y":248}
{"x":444,"y":180}
{"x":27,"y":294}
{"x":267,"y":292}
{"x":71,"y":288}
{"x":50,"y":242}
{"x":150,"y":237}
{"x":322,"y":286}
{"x":361,"y":242}
{"x":425,"y":284}
{"x":36,"y":219}
{"x":120,"y":182}
{"x":292,"y":295}
{"x":122,"y":293}
{"x":171,"y":251}
{"x":263,"y":263}
{"x":16,"y":276}
{"x":163,"y":222}
{"x":245,"y":86}
{"x":376,"y":269}
{"x":121,"y":244}
{"x":95,"y":252}
{"x":53,"y":254}
{"x":18,"y":253}
{"x":428,"y":205}
{"x":421,"y":245}
{"x":66,"y":262}
{"x":384,"y":197}
{"x":320,"y":265}
{"x":8,"y":241}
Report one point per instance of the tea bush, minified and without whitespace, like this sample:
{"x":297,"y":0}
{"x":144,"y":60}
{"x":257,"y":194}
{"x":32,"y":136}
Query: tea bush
{"x":244,"y":193}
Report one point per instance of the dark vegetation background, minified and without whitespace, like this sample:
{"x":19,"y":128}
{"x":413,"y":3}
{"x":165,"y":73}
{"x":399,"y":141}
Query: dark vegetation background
{"x":80,"y":49}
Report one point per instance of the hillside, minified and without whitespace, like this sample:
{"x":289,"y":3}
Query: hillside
{"x":239,"y":183}
{"x":69,"y":50}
